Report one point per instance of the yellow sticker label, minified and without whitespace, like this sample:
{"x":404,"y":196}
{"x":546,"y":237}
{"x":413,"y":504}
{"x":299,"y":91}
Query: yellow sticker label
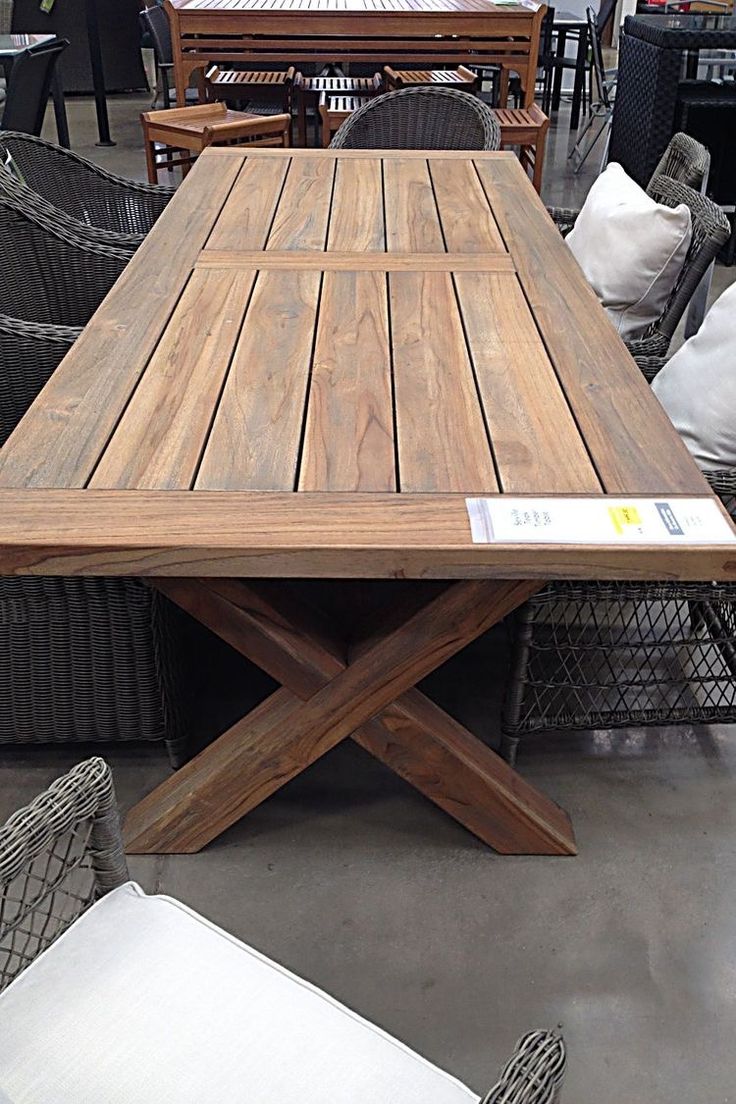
{"x":621,"y":516}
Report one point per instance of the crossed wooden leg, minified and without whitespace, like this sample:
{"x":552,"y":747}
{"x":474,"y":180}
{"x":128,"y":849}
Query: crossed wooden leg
{"x":328,"y":695}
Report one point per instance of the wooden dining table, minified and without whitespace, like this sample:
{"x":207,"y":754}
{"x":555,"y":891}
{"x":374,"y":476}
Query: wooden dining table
{"x":342,"y":365}
{"x":503,"y":33}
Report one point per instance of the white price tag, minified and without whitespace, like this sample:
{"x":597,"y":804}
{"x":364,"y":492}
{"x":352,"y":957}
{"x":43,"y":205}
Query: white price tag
{"x":615,"y":521}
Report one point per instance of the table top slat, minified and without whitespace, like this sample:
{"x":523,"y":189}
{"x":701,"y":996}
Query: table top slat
{"x":412,"y":219}
{"x":628,"y":435}
{"x":349,"y":439}
{"x":303,"y":213}
{"x":255,"y":437}
{"x":245,"y":220}
{"x":356,"y":219}
{"x":442,"y":441}
{"x":537,"y":446}
{"x":62,"y":435}
{"x":467,"y":221}
{"x":160,"y":438}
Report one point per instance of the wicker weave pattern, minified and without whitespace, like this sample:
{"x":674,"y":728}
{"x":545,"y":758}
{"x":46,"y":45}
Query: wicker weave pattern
{"x":51,"y":271}
{"x":534,"y":1073}
{"x":686,"y":160}
{"x":85,"y":191}
{"x":608,"y":655}
{"x":57,"y":856}
{"x":29,"y":353}
{"x":421,"y":118}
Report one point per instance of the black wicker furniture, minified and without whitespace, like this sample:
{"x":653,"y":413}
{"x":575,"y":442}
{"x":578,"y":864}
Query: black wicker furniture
{"x":623,"y":654}
{"x":119,"y":968}
{"x":85,"y":191}
{"x":29,"y":352}
{"x":421,"y":118}
{"x":29,"y":86}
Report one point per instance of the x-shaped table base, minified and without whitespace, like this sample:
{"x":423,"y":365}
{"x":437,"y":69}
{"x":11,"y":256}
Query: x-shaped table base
{"x":330,"y":692}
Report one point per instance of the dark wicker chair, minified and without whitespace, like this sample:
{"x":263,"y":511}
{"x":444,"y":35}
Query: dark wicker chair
{"x":84,"y":191}
{"x":684,"y":159}
{"x":64,"y":851}
{"x":57,"y":857}
{"x":82,"y":659}
{"x":421,"y":118}
{"x":711,"y":230}
{"x":29,"y":86}
{"x":610,"y":655}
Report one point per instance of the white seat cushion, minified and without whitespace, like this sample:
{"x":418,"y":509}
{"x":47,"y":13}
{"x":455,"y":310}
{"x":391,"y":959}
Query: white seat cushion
{"x":630,"y":248}
{"x":142,"y":1001}
{"x":697,"y":387}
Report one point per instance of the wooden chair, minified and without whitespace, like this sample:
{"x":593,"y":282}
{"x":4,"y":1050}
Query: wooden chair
{"x":525,"y":127}
{"x":186,"y":131}
{"x":334,"y":110}
{"x":262,"y":91}
{"x":464,"y":79}
{"x":309,"y":90}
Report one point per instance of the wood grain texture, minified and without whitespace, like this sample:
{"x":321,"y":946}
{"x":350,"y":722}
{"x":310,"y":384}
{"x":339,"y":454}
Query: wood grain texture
{"x":254,"y":442}
{"x":272,"y":627}
{"x":630,"y":438}
{"x":240,"y":769}
{"x":348,"y":439}
{"x":245,"y":220}
{"x":467,"y":221}
{"x":266,"y":534}
{"x":537,"y":446}
{"x":442,"y":440}
{"x":303,"y":212}
{"x":412,"y":220}
{"x":160,"y":437}
{"x":356,"y":221}
{"x":351,"y":262}
{"x":65,"y":430}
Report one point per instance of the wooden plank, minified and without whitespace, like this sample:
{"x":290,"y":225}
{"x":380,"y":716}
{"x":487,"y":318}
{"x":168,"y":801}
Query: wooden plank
{"x":272,"y":627}
{"x":297,"y":153}
{"x":334,"y":261}
{"x":245,"y":220}
{"x":64,"y":432}
{"x":349,"y":440}
{"x":160,"y":437}
{"x":269,"y":534}
{"x":303,"y":213}
{"x":254,"y":442}
{"x":356,"y":221}
{"x":628,"y":435}
{"x":412,"y":221}
{"x":237,"y":771}
{"x":442,"y":440}
{"x":467,"y":222}
{"x":537,"y":446}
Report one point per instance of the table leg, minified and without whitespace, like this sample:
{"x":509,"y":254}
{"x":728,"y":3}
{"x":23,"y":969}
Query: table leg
{"x":557,"y":79}
{"x":98,"y":73}
{"x":328,"y":695}
{"x":581,"y":66}
{"x":62,"y":124}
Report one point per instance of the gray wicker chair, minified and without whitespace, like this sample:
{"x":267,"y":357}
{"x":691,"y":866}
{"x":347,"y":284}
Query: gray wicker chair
{"x":83,"y":190}
{"x":685,"y":160}
{"x":57,"y":856}
{"x":421,"y":118}
{"x":81,"y":659}
{"x":609,"y":655}
{"x":64,"y":851}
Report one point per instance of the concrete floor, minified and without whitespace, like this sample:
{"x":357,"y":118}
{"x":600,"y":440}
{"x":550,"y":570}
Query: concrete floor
{"x":353,"y":880}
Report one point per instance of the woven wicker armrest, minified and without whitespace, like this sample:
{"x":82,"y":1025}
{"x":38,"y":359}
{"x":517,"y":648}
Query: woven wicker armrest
{"x":29,"y":353}
{"x":84,"y":190}
{"x":650,"y":365}
{"x":534,"y":1073}
{"x":57,"y":856}
{"x":564,"y":217}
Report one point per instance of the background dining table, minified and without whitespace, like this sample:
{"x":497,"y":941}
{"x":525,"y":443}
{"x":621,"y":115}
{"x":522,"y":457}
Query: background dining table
{"x":288,"y":384}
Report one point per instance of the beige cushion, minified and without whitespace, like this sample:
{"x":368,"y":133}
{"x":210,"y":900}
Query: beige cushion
{"x":697,"y":387}
{"x":142,"y":1001}
{"x":630,"y":248}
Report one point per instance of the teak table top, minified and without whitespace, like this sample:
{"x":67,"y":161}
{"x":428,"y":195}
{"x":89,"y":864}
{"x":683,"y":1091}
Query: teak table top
{"x":311,"y":361}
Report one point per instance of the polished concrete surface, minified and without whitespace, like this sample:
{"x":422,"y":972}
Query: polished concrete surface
{"x":352,"y":879}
